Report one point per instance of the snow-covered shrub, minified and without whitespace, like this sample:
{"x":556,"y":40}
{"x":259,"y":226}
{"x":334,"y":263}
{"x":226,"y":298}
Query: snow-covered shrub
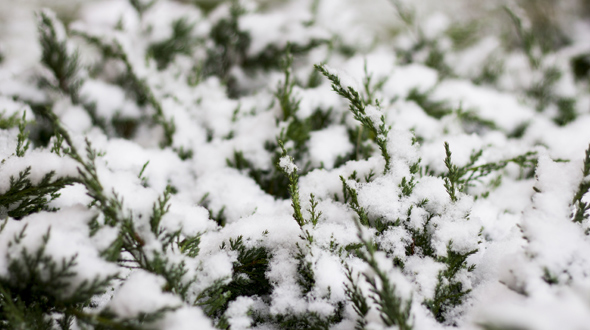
{"x":309,"y":164}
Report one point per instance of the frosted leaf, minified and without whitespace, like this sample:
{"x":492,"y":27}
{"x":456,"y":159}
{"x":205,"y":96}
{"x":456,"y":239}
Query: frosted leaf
{"x":327,"y":145}
{"x":286,"y":163}
{"x":237,"y":313}
{"x":142,"y":293}
{"x":374,"y":114}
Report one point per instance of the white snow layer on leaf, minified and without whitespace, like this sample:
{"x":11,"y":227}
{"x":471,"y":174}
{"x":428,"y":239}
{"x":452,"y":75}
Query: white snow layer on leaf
{"x":311,"y":99}
{"x":240,"y":196}
{"x":67,"y":239}
{"x":454,"y":230}
{"x":406,"y":78}
{"x":109,"y":13}
{"x":142,"y":293}
{"x":41,"y":162}
{"x":374,"y":114}
{"x":555,"y":242}
{"x":502,"y":109}
{"x":276,"y":29}
{"x":237,"y":313}
{"x":381,"y":197}
{"x":532,"y":265}
{"x":325,"y":146}
{"x":287,"y":164}
{"x":185,"y":318}
{"x":9,"y":107}
{"x":109,"y":100}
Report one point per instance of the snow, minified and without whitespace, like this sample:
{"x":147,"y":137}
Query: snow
{"x":10,"y":107}
{"x":240,"y":195}
{"x":504,"y":110}
{"x":185,"y":318}
{"x":273,"y":28}
{"x":142,"y":293}
{"x":13,"y":166}
{"x":237,"y":313}
{"x":425,"y":271}
{"x":529,"y":267}
{"x":109,"y":99}
{"x":67,"y":239}
{"x":286,"y":163}
{"x":406,"y":78}
{"x":327,"y":145}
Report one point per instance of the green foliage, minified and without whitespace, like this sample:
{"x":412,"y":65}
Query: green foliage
{"x":351,"y":197}
{"x":407,"y":186}
{"x":22,"y":143}
{"x":55,"y":56}
{"x":248,"y":279}
{"x":10,"y":122}
{"x":488,"y":326}
{"x":358,"y":299}
{"x":449,"y":292}
{"x":305,"y":273}
{"x":141,"y":5}
{"x":271,"y":181}
{"x":25,"y":197}
{"x":230,"y":47}
{"x":566,"y":111}
{"x":357,"y":107}
{"x":136,"y":87}
{"x":370,"y":87}
{"x":543,"y":91}
{"x":421,"y":237}
{"x":582,"y":207}
{"x":214,"y":301}
{"x":453,"y":175}
{"x":363,"y":148}
{"x":459,"y":179}
{"x":464,"y":35}
{"x":271,"y":56}
{"x":472,"y":122}
{"x":297,"y":130}
{"x":288,"y":102}
{"x":405,"y":12}
{"x":435,"y":109}
{"x":129,"y":240}
{"x":313,"y":212}
{"x":181,"y":42}
{"x":527,"y":37}
{"x":293,"y":187}
{"x":143,"y":92}
{"x":33,"y":292}
{"x":394,"y":310}
{"x":580,"y":66}
{"x":310,"y":320}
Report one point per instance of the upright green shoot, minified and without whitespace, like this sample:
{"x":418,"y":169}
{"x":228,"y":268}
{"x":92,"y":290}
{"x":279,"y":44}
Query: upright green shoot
{"x":367,"y":115}
{"x":581,"y":207}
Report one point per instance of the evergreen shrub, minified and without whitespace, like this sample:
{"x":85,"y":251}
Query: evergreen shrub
{"x":296,"y":164}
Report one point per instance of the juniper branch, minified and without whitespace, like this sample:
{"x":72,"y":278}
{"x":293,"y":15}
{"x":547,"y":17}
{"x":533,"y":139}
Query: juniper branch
{"x":393,"y":309}
{"x":358,"y":108}
{"x":293,"y":188}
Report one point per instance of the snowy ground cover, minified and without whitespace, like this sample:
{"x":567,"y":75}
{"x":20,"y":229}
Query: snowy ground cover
{"x":295,"y":164}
